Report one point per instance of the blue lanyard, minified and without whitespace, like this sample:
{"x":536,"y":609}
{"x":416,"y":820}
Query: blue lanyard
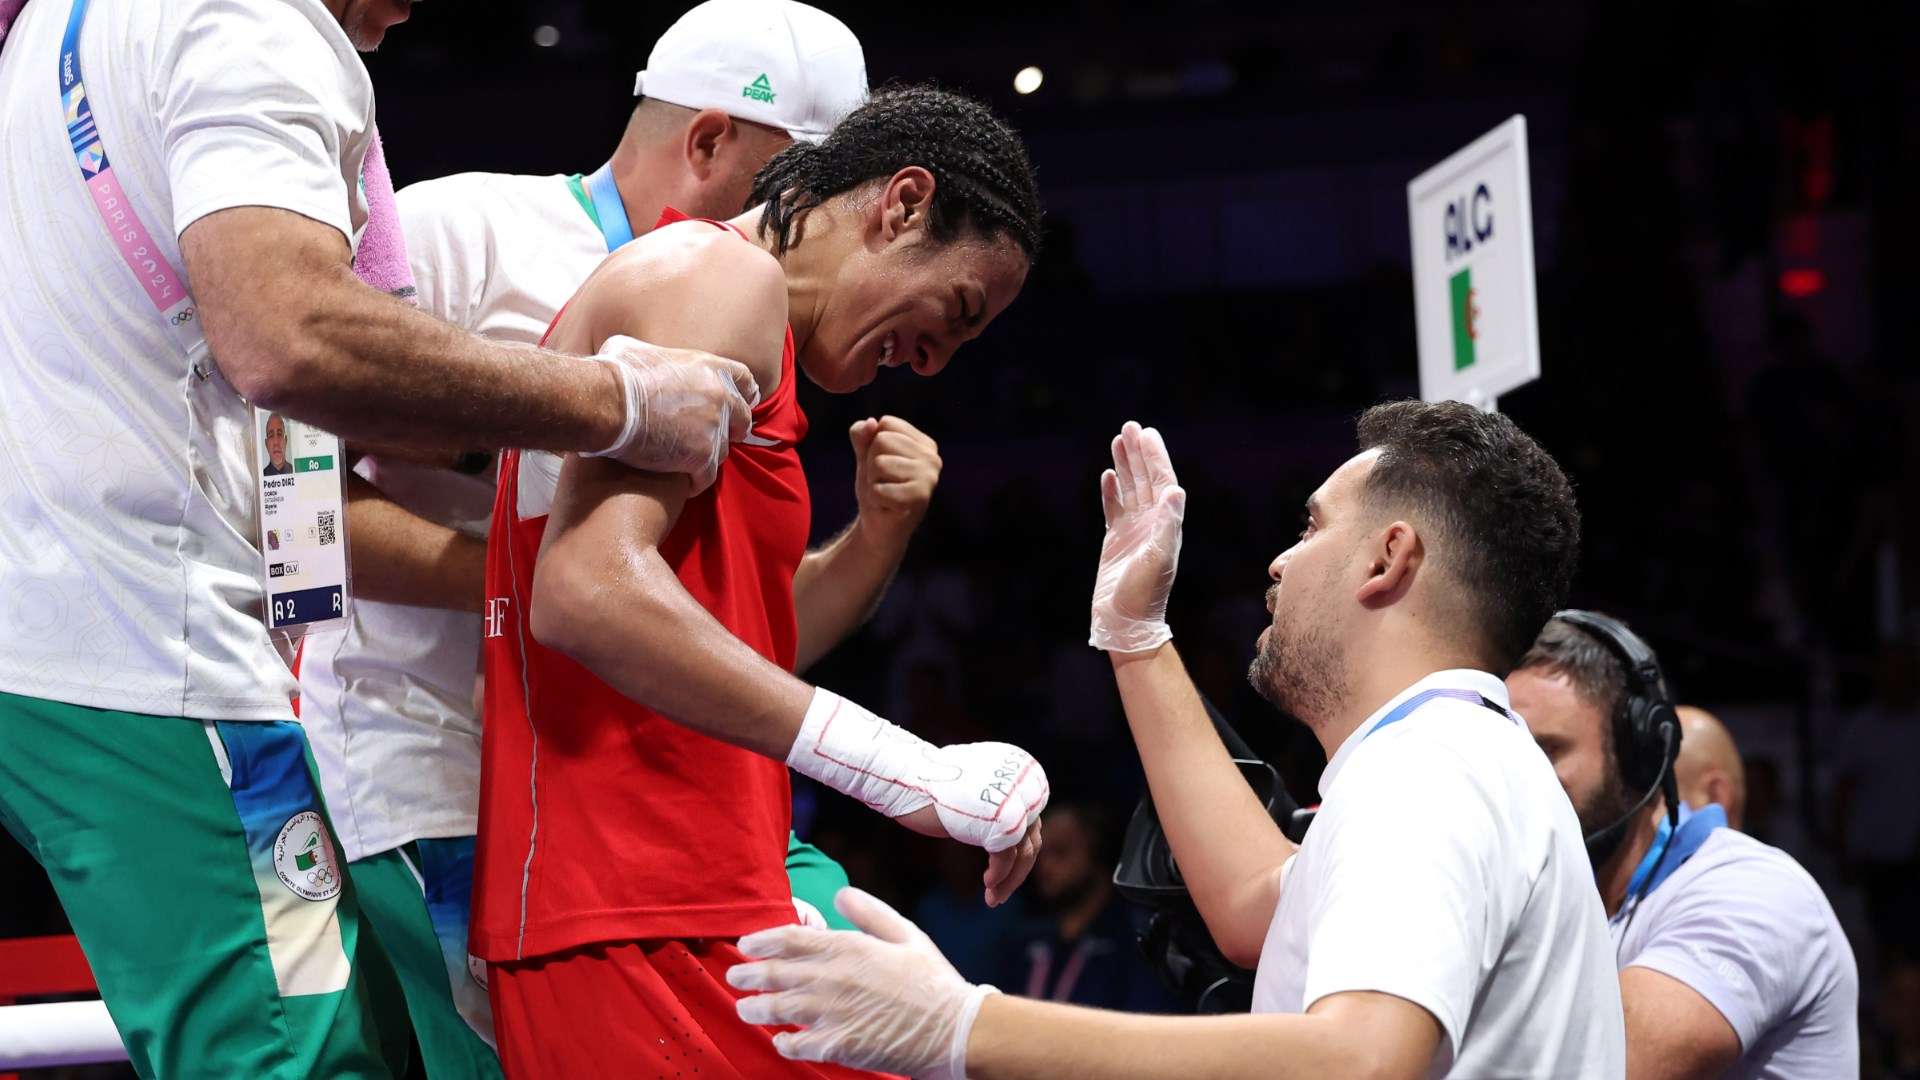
{"x":1675,"y":844}
{"x":1405,"y":709}
{"x":608,"y":207}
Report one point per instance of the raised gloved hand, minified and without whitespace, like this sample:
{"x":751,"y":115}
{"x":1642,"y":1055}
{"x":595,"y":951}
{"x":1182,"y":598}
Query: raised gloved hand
{"x":683,"y":408}
{"x":988,"y":794}
{"x":884,"y":999}
{"x":1144,"y":505}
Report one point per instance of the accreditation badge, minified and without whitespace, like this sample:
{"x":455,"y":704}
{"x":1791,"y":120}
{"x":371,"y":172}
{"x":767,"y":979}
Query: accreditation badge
{"x":303,"y":525}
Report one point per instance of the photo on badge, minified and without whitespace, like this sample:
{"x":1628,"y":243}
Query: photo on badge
{"x":275,"y":446}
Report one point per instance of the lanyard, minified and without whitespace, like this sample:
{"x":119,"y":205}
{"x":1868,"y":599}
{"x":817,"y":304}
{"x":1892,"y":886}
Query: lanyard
{"x":129,"y":234}
{"x":1677,"y":845}
{"x":1406,"y":708}
{"x":301,"y":519}
{"x":608,"y":208}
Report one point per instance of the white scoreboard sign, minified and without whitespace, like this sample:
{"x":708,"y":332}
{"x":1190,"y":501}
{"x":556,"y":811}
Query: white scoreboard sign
{"x":1473,"y":293}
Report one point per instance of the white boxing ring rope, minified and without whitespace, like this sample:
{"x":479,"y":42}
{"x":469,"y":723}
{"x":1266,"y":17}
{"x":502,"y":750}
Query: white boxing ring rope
{"x":61,"y":1033}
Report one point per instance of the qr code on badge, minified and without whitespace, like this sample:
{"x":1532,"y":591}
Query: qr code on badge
{"x":328,"y":534}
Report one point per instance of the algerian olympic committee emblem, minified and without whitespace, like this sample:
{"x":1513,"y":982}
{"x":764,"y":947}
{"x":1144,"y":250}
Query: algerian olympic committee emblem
{"x":303,"y":857}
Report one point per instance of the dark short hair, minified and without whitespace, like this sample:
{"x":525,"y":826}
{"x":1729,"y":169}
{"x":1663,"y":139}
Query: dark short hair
{"x":982,"y":178}
{"x":1501,"y":513}
{"x":1596,"y":671}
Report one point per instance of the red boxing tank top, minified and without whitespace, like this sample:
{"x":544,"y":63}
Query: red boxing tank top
{"x":600,"y":819}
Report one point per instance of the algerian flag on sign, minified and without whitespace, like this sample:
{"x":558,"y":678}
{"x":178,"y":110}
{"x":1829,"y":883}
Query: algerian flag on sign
{"x":1464,"y":315}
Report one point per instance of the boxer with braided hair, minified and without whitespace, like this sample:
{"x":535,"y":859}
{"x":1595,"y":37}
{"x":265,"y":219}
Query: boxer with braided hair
{"x":642,"y":714}
{"x":978,"y":164}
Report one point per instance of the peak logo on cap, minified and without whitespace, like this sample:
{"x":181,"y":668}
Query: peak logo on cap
{"x":779,"y":63}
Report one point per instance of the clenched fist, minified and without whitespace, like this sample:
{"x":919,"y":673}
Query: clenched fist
{"x":896,"y":468}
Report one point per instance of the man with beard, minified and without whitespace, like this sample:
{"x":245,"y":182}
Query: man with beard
{"x":1438,"y":920}
{"x":1731,"y":961}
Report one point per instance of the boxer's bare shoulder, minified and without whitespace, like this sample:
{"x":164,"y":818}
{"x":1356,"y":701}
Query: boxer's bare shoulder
{"x":691,"y":285}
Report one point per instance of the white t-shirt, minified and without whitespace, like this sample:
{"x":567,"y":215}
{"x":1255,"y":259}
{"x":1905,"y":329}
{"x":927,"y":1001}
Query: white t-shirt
{"x":128,"y":567}
{"x":1446,"y":867}
{"x":388,"y":705}
{"x":1746,"y":928}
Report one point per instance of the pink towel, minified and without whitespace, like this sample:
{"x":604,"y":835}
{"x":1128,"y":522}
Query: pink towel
{"x":381,"y":260}
{"x":9,"y":11}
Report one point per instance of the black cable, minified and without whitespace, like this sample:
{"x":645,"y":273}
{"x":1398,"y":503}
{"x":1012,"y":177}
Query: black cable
{"x":1664,"y":783}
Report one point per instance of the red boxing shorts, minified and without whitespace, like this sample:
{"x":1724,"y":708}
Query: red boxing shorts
{"x":640,"y":1009}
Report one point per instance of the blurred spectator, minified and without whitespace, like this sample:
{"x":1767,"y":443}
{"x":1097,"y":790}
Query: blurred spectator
{"x":1769,"y":818}
{"x":1876,"y":802}
{"x":1896,"y":1029}
{"x":925,"y":615}
{"x":1085,"y":950}
{"x":1835,"y":503}
{"x":975,"y":937}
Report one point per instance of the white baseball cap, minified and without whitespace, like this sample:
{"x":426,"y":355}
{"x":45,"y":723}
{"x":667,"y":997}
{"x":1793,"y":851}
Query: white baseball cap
{"x":774,"y":62}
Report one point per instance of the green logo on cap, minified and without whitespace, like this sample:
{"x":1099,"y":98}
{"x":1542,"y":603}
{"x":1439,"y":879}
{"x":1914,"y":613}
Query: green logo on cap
{"x":758,"y":90}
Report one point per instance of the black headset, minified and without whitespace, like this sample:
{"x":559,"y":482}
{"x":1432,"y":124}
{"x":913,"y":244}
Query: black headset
{"x":1646,"y":730}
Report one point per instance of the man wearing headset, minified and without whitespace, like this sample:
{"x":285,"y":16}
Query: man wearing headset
{"x":1436,"y":920}
{"x":1731,"y":960}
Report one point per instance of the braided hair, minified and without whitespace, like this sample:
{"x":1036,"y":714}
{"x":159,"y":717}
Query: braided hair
{"x":982,"y":178}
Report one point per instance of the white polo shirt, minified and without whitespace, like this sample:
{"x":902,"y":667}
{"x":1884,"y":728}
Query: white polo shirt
{"x":1446,"y":867}
{"x":388,"y":705}
{"x":128,"y":566}
{"x":1745,"y":927}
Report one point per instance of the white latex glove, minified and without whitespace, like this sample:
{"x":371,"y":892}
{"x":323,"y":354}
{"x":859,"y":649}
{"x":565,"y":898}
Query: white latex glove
{"x":988,"y":794}
{"x":683,"y":408}
{"x":884,"y":999}
{"x":1144,"y":505}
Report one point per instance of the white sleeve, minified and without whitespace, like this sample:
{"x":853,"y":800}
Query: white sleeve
{"x":259,"y":106}
{"x":1748,"y":942}
{"x":1404,"y":908}
{"x":450,"y":244}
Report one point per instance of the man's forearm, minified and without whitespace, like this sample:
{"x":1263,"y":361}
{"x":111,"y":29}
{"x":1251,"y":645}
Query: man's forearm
{"x":1230,"y":850}
{"x":371,"y":368}
{"x":295,"y":331}
{"x":837,"y":588}
{"x":1018,"y":1039}
{"x":401,"y":558}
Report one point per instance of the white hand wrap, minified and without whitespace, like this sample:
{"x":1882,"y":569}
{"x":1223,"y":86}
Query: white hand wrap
{"x":987,"y":794}
{"x":809,"y":915}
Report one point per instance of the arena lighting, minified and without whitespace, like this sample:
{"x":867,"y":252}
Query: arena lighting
{"x":1027,"y":80}
{"x":546,"y":36}
{"x":1801,"y":283}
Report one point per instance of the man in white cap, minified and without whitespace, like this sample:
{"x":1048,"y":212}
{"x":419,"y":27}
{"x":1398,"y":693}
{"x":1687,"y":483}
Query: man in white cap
{"x":389,"y":706}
